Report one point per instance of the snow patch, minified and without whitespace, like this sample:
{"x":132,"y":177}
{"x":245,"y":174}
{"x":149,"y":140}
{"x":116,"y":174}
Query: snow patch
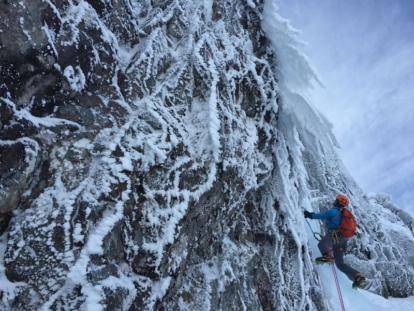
{"x":75,"y":77}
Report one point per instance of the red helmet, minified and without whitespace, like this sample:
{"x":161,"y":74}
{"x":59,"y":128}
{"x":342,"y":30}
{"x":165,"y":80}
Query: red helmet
{"x":342,"y":199}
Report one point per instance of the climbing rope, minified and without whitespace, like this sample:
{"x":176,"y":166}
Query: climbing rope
{"x":315,"y":234}
{"x":335,"y":278}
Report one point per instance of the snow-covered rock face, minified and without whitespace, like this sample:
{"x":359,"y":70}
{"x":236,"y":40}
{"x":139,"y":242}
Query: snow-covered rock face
{"x":153,"y":156}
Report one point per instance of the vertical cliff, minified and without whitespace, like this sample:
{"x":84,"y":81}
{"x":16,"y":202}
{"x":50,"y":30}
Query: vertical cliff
{"x":154,"y":156}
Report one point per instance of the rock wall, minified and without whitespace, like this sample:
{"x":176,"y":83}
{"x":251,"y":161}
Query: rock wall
{"x":138,"y":159}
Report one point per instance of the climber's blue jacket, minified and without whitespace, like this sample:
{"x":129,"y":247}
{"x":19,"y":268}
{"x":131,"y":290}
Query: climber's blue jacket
{"x":334,"y":219}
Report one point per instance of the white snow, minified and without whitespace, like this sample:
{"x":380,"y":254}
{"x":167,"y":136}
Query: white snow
{"x":214,"y":120}
{"x":9,"y":289}
{"x":75,"y":77}
{"x":51,"y":36}
{"x":37,"y":121}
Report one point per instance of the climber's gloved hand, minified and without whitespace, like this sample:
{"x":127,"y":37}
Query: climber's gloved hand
{"x":308,"y":214}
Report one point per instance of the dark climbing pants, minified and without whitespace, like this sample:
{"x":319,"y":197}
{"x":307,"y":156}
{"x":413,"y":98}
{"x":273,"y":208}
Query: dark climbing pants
{"x":337,"y":247}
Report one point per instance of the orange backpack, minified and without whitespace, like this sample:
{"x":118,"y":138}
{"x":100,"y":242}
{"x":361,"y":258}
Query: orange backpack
{"x":348,"y":223}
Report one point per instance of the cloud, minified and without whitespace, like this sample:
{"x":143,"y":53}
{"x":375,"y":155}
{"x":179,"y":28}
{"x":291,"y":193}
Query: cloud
{"x":363,"y":52}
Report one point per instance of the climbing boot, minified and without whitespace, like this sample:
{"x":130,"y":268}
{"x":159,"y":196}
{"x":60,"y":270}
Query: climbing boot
{"x":326,"y":258}
{"x":359,"y":281}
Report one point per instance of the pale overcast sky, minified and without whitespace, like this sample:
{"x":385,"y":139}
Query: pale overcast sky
{"x":364,"y":53}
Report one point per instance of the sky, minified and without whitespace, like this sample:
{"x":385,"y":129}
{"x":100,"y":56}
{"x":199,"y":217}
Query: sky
{"x":364,"y":52}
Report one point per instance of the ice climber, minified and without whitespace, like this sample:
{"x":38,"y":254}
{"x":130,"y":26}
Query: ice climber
{"x":334,"y":243}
